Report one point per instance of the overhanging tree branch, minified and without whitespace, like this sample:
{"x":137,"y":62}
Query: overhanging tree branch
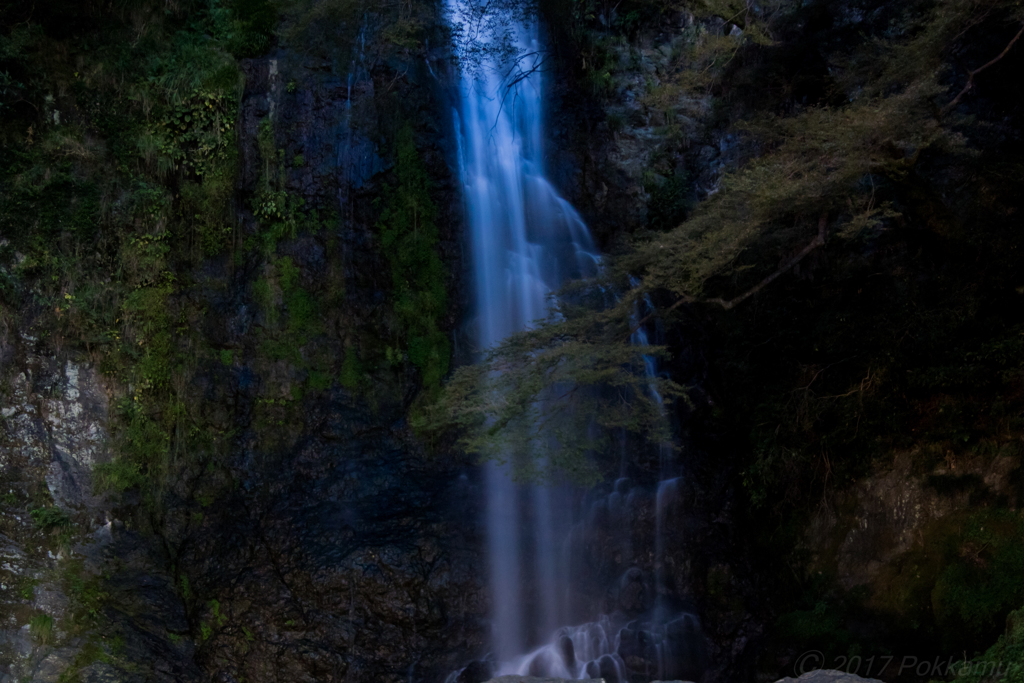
{"x":971,"y":74}
{"x":818,"y":241}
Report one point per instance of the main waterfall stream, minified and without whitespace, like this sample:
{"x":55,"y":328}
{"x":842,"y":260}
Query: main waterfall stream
{"x":526,"y":241}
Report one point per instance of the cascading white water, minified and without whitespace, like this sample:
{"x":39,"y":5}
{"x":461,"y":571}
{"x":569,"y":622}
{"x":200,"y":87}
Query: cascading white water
{"x":526,"y":241}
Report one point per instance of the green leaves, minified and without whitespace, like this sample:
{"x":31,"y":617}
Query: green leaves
{"x":280,"y":217}
{"x":197,"y":133}
{"x":250,"y":26}
{"x":51,"y":519}
{"x":818,"y":163}
{"x":41,"y":628}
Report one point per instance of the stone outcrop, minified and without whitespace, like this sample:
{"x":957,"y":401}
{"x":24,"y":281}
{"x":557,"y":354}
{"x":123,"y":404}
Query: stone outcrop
{"x":898,"y":510}
{"x":54,"y":419}
{"x":53,"y":429}
{"x":60,"y":614}
{"x":828,"y":676}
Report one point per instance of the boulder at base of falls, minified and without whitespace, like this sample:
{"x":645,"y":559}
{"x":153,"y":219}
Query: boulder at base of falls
{"x":828,"y":676}
{"x":535,"y":679}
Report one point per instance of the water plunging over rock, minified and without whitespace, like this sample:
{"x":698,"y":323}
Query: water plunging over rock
{"x":525,"y":242}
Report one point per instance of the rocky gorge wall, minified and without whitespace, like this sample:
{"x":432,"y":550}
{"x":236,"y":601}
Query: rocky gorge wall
{"x":302,"y":532}
{"x":310,"y":536}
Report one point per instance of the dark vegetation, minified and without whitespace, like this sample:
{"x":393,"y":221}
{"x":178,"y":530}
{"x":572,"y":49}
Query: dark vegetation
{"x":904,"y":335}
{"x":119,"y":135}
{"x":409,"y":237}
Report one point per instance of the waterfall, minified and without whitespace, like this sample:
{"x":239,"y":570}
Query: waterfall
{"x":526,"y":241}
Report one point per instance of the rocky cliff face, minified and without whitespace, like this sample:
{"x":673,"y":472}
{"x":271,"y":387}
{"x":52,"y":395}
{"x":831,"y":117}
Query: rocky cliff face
{"x":345,"y":552}
{"x":80,"y":592}
{"x":321,"y":542}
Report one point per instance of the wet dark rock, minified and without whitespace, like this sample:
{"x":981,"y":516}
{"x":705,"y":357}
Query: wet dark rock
{"x":567,"y":650}
{"x":638,"y":649}
{"x":52,"y":665}
{"x":340,"y":558}
{"x":684,"y":646}
{"x":609,"y":669}
{"x":543,"y":664}
{"x":633,"y":594}
{"x":536,"y":679}
{"x":101,"y":672}
{"x":477,"y":671}
{"x":344,"y":554}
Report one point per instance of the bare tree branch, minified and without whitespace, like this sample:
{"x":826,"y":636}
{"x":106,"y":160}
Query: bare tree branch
{"x":818,"y":241}
{"x":971,"y":74}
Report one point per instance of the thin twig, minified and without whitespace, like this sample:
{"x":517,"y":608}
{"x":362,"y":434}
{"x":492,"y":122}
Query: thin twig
{"x":513,"y":84}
